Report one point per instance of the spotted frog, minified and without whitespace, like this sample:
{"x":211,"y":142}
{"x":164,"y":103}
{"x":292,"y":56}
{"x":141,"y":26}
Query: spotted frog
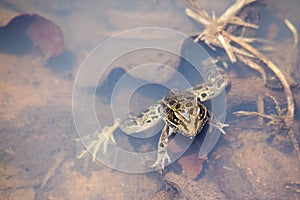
{"x":183,"y":112}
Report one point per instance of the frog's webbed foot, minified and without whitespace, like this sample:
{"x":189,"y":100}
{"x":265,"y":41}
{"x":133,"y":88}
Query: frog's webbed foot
{"x":160,"y":161}
{"x":103,"y":139}
{"x":218,"y":125}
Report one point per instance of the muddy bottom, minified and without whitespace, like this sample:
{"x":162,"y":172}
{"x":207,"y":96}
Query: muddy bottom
{"x":37,"y":144}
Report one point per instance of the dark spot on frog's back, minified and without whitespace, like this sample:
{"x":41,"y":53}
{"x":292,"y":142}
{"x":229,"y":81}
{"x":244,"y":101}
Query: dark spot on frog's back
{"x":188,"y":104}
{"x":191,"y":111}
{"x":172,"y":102}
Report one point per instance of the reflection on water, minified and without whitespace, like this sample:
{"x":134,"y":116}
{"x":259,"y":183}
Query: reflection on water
{"x":38,"y":158}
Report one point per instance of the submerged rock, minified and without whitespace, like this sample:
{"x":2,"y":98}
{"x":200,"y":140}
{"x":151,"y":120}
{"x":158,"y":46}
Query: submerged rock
{"x":46,"y":36}
{"x":26,"y":31}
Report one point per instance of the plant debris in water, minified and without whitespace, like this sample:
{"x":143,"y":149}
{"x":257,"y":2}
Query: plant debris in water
{"x":215,"y":34}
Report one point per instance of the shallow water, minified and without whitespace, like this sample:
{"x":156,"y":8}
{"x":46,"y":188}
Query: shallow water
{"x":38,"y":149}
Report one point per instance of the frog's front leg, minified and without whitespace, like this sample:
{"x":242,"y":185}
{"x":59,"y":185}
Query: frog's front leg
{"x":129,"y":125}
{"x":103,"y":138}
{"x":162,"y":154}
{"x":144,"y":121}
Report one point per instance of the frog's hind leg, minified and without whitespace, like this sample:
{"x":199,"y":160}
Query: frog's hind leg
{"x":144,"y":121}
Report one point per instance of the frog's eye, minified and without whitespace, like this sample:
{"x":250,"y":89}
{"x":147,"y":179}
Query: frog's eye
{"x":177,"y":106}
{"x":201,"y":112}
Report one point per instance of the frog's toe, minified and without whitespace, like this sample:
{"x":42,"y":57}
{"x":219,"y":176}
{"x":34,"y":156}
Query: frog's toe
{"x":218,"y":125}
{"x":86,"y":149}
{"x":94,"y":145}
{"x":103,"y":139}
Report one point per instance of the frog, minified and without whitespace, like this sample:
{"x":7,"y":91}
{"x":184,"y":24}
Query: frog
{"x":182,"y":111}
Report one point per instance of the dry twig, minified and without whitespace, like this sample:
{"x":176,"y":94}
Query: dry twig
{"x":277,"y":121}
{"x":289,"y":95}
{"x":213,"y":27}
{"x":214,"y":34}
